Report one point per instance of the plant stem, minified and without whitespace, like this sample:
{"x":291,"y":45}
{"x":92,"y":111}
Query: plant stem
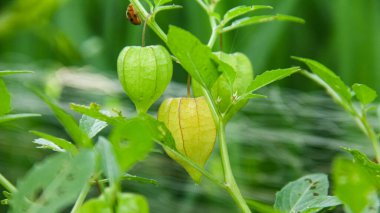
{"x":7,"y":184}
{"x":231,"y":185}
{"x":81,"y":198}
{"x":229,"y":179}
{"x":368,"y":130}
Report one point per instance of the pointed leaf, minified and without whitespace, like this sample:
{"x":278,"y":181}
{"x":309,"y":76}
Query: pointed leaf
{"x":242,"y":10}
{"x":307,"y":194}
{"x":371,"y":167}
{"x":260,"y":19}
{"x":53,"y":184}
{"x":11,"y":117}
{"x":109,"y":162}
{"x":94,"y":110}
{"x":91,"y":125}
{"x":353,"y":186}
{"x":194,"y":56}
{"x":5,"y":97}
{"x":13,"y":72}
{"x":161,"y":2}
{"x":364,"y":93}
{"x":329,"y":77}
{"x":269,"y":77}
{"x":61,"y":143}
{"x":67,"y":121}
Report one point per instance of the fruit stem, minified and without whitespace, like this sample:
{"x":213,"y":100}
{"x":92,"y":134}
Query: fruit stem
{"x":188,"y":86}
{"x":7,"y":184}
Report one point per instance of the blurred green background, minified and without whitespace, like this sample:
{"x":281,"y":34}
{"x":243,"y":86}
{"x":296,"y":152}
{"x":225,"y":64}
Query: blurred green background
{"x":72,"y":46}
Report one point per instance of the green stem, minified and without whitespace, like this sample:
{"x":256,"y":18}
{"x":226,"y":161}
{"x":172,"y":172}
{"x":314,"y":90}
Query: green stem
{"x":7,"y":184}
{"x":81,"y":198}
{"x":229,"y":179}
{"x":368,"y":130}
{"x":231,"y":185}
{"x":150,"y":21}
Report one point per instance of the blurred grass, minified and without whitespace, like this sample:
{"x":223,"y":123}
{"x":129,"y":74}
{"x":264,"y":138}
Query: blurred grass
{"x":295,"y":132}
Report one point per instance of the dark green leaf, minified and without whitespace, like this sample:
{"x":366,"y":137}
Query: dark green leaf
{"x":61,"y":143}
{"x":269,"y":77}
{"x":260,"y":19}
{"x":109,"y":162}
{"x":5,"y":97}
{"x":11,"y":117}
{"x":13,"y":72}
{"x":329,"y":77}
{"x":67,"y":121}
{"x":353,"y":186}
{"x":242,"y":10}
{"x":53,"y":184}
{"x":91,"y":125}
{"x":307,"y":194}
{"x":364,"y":93}
{"x":194,"y":56}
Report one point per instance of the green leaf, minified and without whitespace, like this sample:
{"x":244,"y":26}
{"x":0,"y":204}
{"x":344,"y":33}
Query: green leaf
{"x":11,"y":117}
{"x":91,"y":125}
{"x":95,"y":205}
{"x":109,"y":162}
{"x":353,"y":186}
{"x":161,"y":2}
{"x":242,"y":10}
{"x":13,"y":72}
{"x":194,"y":56}
{"x":132,"y":203}
{"x":224,"y":67}
{"x":67,"y":121}
{"x":371,"y":167}
{"x":60,"y":143}
{"x":364,"y":93}
{"x":260,"y":19}
{"x":95,"y":111}
{"x":132,"y":141}
{"x":5,"y":97}
{"x":307,"y":194}
{"x":53,"y":184}
{"x":269,"y":77}
{"x":329,"y":77}
{"x":262,"y":208}
{"x":139,"y":179}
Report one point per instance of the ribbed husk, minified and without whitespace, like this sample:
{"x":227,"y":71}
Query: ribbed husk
{"x":144,"y":73}
{"x":192,"y":126}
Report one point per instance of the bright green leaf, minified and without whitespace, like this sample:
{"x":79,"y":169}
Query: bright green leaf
{"x":109,"y":162}
{"x":132,"y":141}
{"x":194,"y":56}
{"x":242,"y":10}
{"x":61,"y":143}
{"x":371,"y":167}
{"x":53,"y":184}
{"x":260,"y":19}
{"x":132,"y":203}
{"x":161,"y":2}
{"x":364,"y":93}
{"x":352,"y":185}
{"x":307,"y":194}
{"x":11,"y":117}
{"x":329,"y":77}
{"x":5,"y":97}
{"x":67,"y":121}
{"x":95,"y":111}
{"x":262,"y":208}
{"x":95,"y":205}
{"x":13,"y":72}
{"x":269,"y":77}
{"x":91,"y":125}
